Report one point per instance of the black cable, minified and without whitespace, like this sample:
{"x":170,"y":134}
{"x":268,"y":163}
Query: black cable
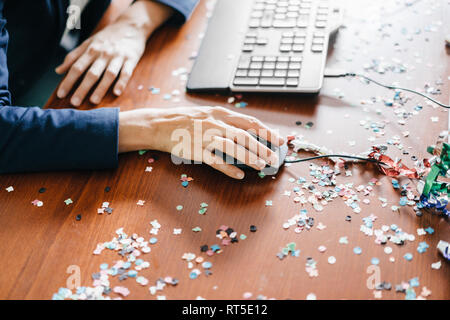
{"x":335,"y":156}
{"x":341,"y":75}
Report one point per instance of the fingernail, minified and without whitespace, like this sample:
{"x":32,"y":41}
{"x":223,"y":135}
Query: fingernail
{"x":57,"y":69}
{"x":61,"y":93}
{"x":75,"y":101}
{"x":240,"y":175}
{"x":260,"y":163}
{"x":117,"y":92}
{"x":95,"y":99}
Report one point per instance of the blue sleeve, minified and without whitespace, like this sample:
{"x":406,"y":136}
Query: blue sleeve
{"x":183,"y":8}
{"x":32,"y":139}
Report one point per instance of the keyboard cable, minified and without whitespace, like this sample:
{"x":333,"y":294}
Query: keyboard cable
{"x":332,"y":74}
{"x":335,"y":74}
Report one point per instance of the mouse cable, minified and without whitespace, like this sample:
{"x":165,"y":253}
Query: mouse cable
{"x":335,"y":156}
{"x":333,"y":74}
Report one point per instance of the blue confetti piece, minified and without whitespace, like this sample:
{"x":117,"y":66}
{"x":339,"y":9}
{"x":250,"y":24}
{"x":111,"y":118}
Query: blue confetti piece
{"x":104,"y":266}
{"x":139,"y":262}
{"x":403,"y":201}
{"x":375,"y":261}
{"x":357,"y":250}
{"x":153,"y":240}
{"x":414,"y":282}
{"x":410,"y":294}
{"x":408,"y":256}
{"x":429,"y":230}
{"x":206,"y":265}
{"x":423,"y":246}
{"x":193,"y":275}
{"x":132,"y":273}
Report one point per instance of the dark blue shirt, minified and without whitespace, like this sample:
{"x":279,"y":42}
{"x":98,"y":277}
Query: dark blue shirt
{"x":34,"y":139}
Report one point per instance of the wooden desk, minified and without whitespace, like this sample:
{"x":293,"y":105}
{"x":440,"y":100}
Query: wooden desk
{"x":37,"y":244}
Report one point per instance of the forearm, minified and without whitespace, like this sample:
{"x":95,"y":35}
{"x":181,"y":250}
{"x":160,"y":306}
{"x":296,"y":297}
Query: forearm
{"x":32,"y":139}
{"x":146,"y":15}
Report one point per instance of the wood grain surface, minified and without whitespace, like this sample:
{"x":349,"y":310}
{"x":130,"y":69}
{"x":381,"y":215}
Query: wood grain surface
{"x":38,"y":244}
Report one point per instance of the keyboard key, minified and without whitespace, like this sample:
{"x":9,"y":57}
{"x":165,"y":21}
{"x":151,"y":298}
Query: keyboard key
{"x":283,"y":59}
{"x":241,"y":73}
{"x":296,"y":59}
{"x":280,"y":73}
{"x":238,"y":81}
{"x":254,"y":23}
{"x":292,"y":82}
{"x":250,"y":41}
{"x":299,"y":40}
{"x":321,"y":17}
{"x":248,"y":48}
{"x":271,"y":59}
{"x":318,"y":40}
{"x":295,"y":66}
{"x":256,"y":65}
{"x":321,"y":24}
{"x":282,"y":65}
{"x":293,"y":73}
{"x":317,"y":48}
{"x":287,"y":40}
{"x":254,"y":73}
{"x":302,"y":24}
{"x":256,"y":14}
{"x":257,"y":59}
{"x":269,"y":65}
{"x":286,"y":23}
{"x":288,"y":34}
{"x":285,"y":48}
{"x":262,"y":41}
{"x":298,"y":48}
{"x":276,"y":82}
{"x":244,"y":63}
{"x":267,"y":73}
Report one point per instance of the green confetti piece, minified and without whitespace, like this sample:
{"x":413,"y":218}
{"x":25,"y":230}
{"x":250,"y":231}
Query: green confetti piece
{"x":141,"y":152}
{"x":197,"y":229}
{"x":242,"y":237}
{"x":202,"y":211}
{"x":203,"y":205}
{"x":261,"y":174}
{"x":179,"y":207}
{"x":291,"y":246}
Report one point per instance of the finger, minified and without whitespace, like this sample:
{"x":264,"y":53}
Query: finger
{"x":251,"y":123}
{"x":75,"y":72}
{"x":108,"y":78}
{"x":125,"y":75}
{"x":71,"y":57}
{"x":248,"y":141}
{"x":217,"y":163}
{"x":89,"y":80}
{"x":237,"y":151}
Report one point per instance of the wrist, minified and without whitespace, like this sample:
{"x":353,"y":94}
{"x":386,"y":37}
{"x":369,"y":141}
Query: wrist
{"x":145,"y":16}
{"x":134,"y":127}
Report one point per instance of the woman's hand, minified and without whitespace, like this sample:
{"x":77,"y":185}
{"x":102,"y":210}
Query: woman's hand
{"x":193,"y":133}
{"x":111,"y":53}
